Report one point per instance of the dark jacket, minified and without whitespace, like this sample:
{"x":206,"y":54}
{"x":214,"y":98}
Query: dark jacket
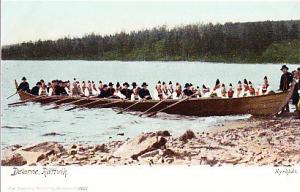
{"x":188,"y":92}
{"x":60,"y":91}
{"x":35,"y":90}
{"x":103,"y":94}
{"x":295,"y":96}
{"x":110,"y":92}
{"x":143,"y":93}
{"x":285,"y":81}
{"x":127,"y":93}
{"x":24,"y":86}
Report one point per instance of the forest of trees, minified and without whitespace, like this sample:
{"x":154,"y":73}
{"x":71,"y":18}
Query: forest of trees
{"x":268,"y":41}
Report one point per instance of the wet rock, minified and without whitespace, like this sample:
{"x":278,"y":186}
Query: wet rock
{"x":187,"y":136}
{"x":14,"y":160}
{"x":74,"y":146}
{"x":150,"y":154}
{"x":169,"y":153}
{"x":45,"y":147}
{"x":121,"y":134}
{"x":163,"y":133}
{"x":101,"y":148}
{"x":53,"y":134}
{"x":140,"y":145}
{"x":73,"y":152}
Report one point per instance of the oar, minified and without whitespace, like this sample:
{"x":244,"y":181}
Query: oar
{"x":87,"y":104}
{"x":108,"y":104}
{"x":14,"y":94}
{"x":27,"y":100}
{"x":73,"y":102}
{"x":84,"y":105}
{"x":59,"y":100}
{"x":172,"y":105}
{"x":130,"y":106}
{"x":154,"y":106}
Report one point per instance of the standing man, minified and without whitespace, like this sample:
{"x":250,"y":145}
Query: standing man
{"x":285,"y":81}
{"x":24,"y":86}
{"x":296,"y":92}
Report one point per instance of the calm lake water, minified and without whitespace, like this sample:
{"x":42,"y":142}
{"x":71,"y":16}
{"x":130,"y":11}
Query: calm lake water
{"x":28,"y":123}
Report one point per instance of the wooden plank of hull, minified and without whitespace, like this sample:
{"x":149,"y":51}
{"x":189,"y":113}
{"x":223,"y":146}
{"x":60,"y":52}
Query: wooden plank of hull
{"x":258,"y":105}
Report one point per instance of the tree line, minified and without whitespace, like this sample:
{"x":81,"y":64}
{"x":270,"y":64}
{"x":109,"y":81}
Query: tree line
{"x":229,"y":42}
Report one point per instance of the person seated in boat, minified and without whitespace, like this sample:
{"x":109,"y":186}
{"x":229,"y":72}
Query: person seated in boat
{"x":52,"y":87}
{"x":95,"y":90}
{"x":265,"y":88}
{"x":83,"y":87}
{"x":223,"y":91}
{"x":245,"y":91}
{"x":170,"y":88}
{"x":100,"y":86}
{"x":230,"y":91}
{"x":103,"y":92}
{"x":43,"y":89}
{"x":144,"y":92}
{"x":126,"y":91}
{"x":36,"y":88}
{"x":158,"y":93}
{"x":110,"y":90}
{"x":48,"y":87}
{"x":24,"y":85}
{"x":67,"y":87}
{"x":187,"y":92}
{"x":75,"y":90}
{"x":88,"y":89}
{"x":193,"y":90}
{"x":164,"y":90}
{"x":239,"y":89}
{"x":251,"y":89}
{"x":117,"y":93}
{"x":60,"y":90}
{"x":178,"y":91}
{"x":198,"y":93}
{"x":135,"y":92}
{"x":216,"y":92}
{"x":205,"y":91}
{"x":285,"y":83}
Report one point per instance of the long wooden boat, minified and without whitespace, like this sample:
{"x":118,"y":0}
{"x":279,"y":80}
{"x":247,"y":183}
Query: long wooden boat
{"x":263,"y":105}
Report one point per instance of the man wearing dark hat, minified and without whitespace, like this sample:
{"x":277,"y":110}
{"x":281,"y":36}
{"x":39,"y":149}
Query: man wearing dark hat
{"x":110,"y":90}
{"x":125,"y":91}
{"x":24,"y":85}
{"x":187,"y":91}
{"x":285,"y":81}
{"x":36,"y":88}
{"x":144,"y":92}
{"x":103,"y":92}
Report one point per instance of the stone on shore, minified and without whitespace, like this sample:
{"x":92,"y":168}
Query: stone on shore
{"x":187,"y":136}
{"x":14,"y":160}
{"x":140,"y":145}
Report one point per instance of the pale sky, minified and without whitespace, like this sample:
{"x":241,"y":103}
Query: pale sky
{"x":34,"y":20}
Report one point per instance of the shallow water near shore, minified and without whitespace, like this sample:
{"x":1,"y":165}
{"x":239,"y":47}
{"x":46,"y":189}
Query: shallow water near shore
{"x":31,"y":123}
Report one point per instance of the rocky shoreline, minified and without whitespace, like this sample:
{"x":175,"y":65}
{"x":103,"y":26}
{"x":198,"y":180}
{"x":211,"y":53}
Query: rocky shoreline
{"x":273,"y":142}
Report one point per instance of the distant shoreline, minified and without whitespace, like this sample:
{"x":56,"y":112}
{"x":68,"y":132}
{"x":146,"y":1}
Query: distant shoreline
{"x":166,"y":61}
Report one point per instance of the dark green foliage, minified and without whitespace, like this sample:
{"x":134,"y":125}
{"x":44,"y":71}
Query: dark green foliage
{"x":268,"y":41}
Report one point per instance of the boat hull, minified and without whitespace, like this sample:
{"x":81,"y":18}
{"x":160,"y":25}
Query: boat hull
{"x":257,"y":105}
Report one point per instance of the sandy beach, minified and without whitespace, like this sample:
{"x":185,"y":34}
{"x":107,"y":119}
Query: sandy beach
{"x":257,"y":141}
